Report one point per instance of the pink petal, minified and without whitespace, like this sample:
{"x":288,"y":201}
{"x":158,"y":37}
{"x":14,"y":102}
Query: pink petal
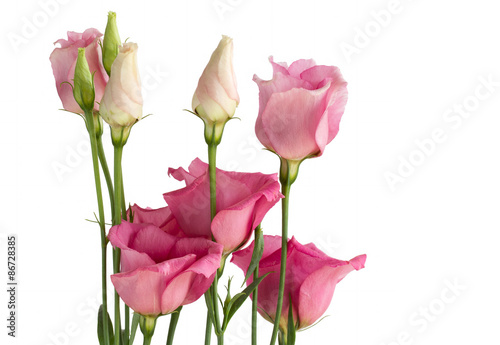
{"x":191,"y":208}
{"x":299,"y":66}
{"x":157,"y":217}
{"x":154,"y":242}
{"x":317,"y":289}
{"x":141,"y":289}
{"x":196,"y":169}
{"x":291,"y":121}
{"x":278,"y":67}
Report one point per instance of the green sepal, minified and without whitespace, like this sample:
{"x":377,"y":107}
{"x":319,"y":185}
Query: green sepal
{"x":100,"y":327}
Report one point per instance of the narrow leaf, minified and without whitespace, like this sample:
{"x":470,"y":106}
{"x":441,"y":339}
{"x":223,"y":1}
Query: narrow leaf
{"x":290,"y":339}
{"x":133,"y":330}
{"x":100,"y":327}
{"x":238,"y":300}
{"x":258,"y":250}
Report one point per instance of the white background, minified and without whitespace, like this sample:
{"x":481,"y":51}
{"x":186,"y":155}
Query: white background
{"x":437,"y":227}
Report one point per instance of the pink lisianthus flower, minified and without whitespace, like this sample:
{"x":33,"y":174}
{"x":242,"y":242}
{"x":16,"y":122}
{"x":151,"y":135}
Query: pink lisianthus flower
{"x":243,"y":199}
{"x":161,"y":272}
{"x":63,"y":60}
{"x":311,"y":278}
{"x":300,"y":108}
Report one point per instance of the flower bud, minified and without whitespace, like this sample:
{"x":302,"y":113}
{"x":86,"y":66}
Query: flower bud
{"x":121,"y":105}
{"x":83,"y":88}
{"x":216,"y":98}
{"x":111,"y":44}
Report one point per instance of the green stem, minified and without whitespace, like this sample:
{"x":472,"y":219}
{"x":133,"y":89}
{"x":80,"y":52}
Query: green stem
{"x":147,"y":339}
{"x":107,"y":175}
{"x":208,"y":329}
{"x":212,"y":155}
{"x":89,"y":118}
{"x":255,"y":293}
{"x":127,"y":325}
{"x":286,"y":182}
{"x":117,"y":220}
{"x":127,"y":308}
{"x":123,"y":205}
{"x":174,"y":318}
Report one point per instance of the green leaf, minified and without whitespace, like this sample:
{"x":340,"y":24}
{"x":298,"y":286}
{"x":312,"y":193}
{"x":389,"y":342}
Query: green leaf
{"x":290,"y":338}
{"x":258,"y":250}
{"x":133,"y":330}
{"x":238,"y":300}
{"x":100,"y":327}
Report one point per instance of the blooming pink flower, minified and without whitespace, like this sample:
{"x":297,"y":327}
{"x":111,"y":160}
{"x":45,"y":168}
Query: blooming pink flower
{"x":243,"y":199}
{"x":300,"y":108}
{"x":161,"y":272}
{"x":311,"y":277}
{"x":63,"y":60}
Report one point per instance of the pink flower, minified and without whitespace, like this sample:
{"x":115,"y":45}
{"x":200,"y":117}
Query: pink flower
{"x":63,"y":62}
{"x":161,"y":272}
{"x":300,"y":108}
{"x":243,"y":199}
{"x":311,"y":277}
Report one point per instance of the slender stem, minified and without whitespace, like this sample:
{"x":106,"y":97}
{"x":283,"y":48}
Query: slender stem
{"x":117,"y":220}
{"x":212,"y":157}
{"x":127,"y":308}
{"x":89,"y":117}
{"x":107,"y":175}
{"x":147,"y":339}
{"x":124,"y":204}
{"x":126,"y":339}
{"x":208,"y":329}
{"x":285,"y":190}
{"x":255,"y":293}
{"x":174,"y":318}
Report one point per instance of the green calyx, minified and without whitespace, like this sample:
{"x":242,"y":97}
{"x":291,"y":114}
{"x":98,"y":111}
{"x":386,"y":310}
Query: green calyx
{"x":111,"y":44}
{"x":83,"y":89}
{"x":213,"y":132}
{"x":147,"y":325}
{"x":289,"y":170}
{"x":119,"y":135}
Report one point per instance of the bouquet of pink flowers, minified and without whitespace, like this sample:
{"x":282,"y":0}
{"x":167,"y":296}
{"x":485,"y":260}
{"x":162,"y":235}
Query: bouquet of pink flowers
{"x":166,"y":258}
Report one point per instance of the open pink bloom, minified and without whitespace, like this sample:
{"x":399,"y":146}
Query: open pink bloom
{"x":161,"y":272}
{"x":311,"y":277}
{"x":63,"y":62}
{"x":243,"y":199}
{"x":300,"y":108}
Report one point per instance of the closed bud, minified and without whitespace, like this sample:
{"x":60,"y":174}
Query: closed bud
{"x":83,"y":89}
{"x":216,"y":97}
{"x":111,"y":44}
{"x":121,"y":105}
